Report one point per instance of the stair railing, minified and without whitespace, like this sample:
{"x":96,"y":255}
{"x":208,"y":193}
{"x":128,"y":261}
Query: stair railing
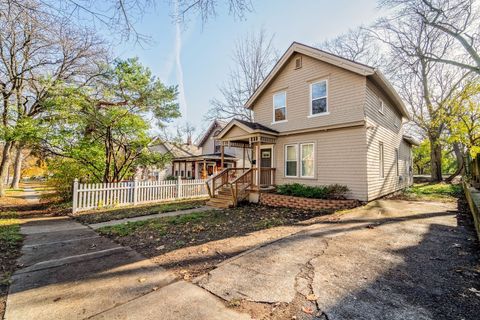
{"x":223,"y":178}
{"x":241,"y":184}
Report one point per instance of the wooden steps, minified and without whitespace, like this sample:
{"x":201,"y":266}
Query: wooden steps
{"x":224,"y":199}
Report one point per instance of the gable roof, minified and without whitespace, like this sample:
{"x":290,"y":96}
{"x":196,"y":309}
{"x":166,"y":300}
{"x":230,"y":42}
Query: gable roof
{"x":355,"y":67}
{"x":215,"y":123}
{"x":176,"y":150}
{"x":249,"y":127}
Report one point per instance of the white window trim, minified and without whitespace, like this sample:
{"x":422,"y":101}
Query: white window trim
{"x":285,"y":160}
{"x":273,"y":106}
{"x":301,"y":157}
{"x":311,"y":114}
{"x":382,"y":107}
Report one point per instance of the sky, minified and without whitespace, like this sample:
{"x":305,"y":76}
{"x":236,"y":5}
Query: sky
{"x":197,"y":57}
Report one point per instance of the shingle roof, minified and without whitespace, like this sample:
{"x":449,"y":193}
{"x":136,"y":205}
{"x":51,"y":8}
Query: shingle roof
{"x":256,"y":126}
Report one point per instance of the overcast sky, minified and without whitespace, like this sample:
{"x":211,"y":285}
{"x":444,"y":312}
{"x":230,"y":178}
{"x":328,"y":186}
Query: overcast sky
{"x":198,"y":58}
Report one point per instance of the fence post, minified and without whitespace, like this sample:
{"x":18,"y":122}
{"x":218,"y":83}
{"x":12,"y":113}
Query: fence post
{"x":135,"y":192}
{"x":75,"y":195}
{"x":179,"y":187}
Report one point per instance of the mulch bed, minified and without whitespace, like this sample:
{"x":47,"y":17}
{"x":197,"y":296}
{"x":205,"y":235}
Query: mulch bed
{"x":193,"y":244}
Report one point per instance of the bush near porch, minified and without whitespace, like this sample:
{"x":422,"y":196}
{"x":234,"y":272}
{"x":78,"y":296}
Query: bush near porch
{"x":333,"y":191}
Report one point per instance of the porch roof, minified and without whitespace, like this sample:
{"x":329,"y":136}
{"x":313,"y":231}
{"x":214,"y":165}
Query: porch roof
{"x":241,"y":132}
{"x":207,"y":157}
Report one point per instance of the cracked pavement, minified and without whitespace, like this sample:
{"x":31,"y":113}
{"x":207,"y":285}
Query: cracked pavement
{"x":389,"y":260}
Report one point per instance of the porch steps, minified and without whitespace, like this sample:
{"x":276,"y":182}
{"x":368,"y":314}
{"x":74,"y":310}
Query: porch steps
{"x":223,"y":199}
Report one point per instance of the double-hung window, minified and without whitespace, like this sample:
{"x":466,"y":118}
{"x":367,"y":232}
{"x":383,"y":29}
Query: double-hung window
{"x":318,"y":102}
{"x":397,"y":169}
{"x":306,"y":156}
{"x":291,"y":160}
{"x":300,"y":160}
{"x":280,"y":106}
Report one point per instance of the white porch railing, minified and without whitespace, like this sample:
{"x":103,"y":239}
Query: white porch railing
{"x":88,"y":196}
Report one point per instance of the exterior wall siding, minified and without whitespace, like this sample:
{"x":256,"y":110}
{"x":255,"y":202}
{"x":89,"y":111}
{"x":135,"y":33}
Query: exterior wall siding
{"x":339,"y":158}
{"x":346,"y":96}
{"x":382,"y":128}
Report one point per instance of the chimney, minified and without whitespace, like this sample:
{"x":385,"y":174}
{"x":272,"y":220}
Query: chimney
{"x":189,"y":140}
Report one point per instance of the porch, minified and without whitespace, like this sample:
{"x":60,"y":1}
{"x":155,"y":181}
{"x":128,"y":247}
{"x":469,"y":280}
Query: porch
{"x":232,"y":185}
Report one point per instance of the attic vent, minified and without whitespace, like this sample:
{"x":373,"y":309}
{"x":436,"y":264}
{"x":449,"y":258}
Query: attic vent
{"x":298,"y":63}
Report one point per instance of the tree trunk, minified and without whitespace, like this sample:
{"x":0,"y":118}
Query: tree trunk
{"x":17,"y":167}
{"x":460,"y":162}
{"x":4,"y":164}
{"x":435,"y":160}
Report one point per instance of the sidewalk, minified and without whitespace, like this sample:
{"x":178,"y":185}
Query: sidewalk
{"x":70,"y":272}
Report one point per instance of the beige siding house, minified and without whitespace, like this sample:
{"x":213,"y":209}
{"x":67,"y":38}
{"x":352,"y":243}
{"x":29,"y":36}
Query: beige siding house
{"x":320,"y":119}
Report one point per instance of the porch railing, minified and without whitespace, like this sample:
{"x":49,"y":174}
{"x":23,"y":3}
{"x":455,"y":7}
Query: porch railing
{"x":223,"y":178}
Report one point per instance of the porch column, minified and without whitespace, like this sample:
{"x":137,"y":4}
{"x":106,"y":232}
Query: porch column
{"x":222,"y":148}
{"x":244,"y":157}
{"x":257,"y":161}
{"x":204,"y":174}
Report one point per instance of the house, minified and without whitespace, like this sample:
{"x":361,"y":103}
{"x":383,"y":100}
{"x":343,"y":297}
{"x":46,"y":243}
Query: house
{"x":174,"y":150}
{"x":210,"y":160}
{"x":321,"y":119}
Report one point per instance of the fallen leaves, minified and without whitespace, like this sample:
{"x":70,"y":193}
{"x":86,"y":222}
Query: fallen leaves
{"x":312,"y":297}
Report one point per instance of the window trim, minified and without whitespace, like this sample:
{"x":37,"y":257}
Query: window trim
{"x":326,"y":112}
{"x":285,"y":160}
{"x":381,"y":160}
{"x":382,"y":107}
{"x":273,"y":106}
{"x":301,"y":159}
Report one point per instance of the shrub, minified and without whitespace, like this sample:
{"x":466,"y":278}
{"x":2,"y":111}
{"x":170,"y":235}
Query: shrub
{"x":334,"y":191}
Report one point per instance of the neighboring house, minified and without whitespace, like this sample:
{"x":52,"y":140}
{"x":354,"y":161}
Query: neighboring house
{"x":208,"y":161}
{"x":153,"y":173}
{"x":321,"y":119}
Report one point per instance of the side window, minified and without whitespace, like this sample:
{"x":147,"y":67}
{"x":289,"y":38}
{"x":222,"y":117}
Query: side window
{"x":307,"y":164}
{"x":291,"y":157}
{"x":397,"y":169}
{"x":280,"y":106}
{"x":318,"y":98}
{"x":381,"y":107}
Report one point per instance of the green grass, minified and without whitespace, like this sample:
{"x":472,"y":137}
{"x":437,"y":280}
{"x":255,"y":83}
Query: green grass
{"x":437,"y":191}
{"x":129,"y":212}
{"x":160,"y":225}
{"x":10,"y":242}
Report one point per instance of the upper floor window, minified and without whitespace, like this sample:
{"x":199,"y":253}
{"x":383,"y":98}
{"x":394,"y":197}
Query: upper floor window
{"x":381,"y":107}
{"x":280,"y":106}
{"x":381,"y":164}
{"x":318,"y":97}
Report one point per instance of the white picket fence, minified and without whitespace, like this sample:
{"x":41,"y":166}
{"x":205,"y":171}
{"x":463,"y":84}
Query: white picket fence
{"x":88,"y":196}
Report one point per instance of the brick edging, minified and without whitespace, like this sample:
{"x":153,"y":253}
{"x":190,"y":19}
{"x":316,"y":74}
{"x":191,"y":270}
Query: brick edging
{"x":280,"y":200}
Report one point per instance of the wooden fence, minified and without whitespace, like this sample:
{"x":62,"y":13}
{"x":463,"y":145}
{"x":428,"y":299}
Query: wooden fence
{"x":474,"y":171}
{"x":90,"y":196}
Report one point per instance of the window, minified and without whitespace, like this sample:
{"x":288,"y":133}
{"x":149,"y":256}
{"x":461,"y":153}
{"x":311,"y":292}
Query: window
{"x":397,"y":163}
{"x":380,"y":160}
{"x":318,"y":97}
{"x":306,"y":155}
{"x":397,"y":122}
{"x":280,"y":106}
{"x":381,"y":107}
{"x":298,"y":63}
{"x":300,"y":157}
{"x":291,"y":160}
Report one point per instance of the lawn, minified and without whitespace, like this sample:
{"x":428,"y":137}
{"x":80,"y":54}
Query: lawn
{"x":194,"y":243}
{"x":433,"y":191}
{"x":129,"y":212}
{"x":10,"y":244}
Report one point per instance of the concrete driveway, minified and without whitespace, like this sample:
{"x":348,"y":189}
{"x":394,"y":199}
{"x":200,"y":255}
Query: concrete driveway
{"x":389,"y":260}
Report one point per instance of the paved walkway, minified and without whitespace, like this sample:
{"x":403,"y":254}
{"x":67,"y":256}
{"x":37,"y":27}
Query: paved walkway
{"x":148,"y":217}
{"x":31,"y":195}
{"x":70,"y":272}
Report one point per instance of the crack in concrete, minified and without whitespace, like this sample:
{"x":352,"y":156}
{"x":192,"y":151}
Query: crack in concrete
{"x":307,"y":273}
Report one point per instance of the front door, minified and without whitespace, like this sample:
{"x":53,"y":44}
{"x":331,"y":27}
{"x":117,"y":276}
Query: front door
{"x":265,"y":165}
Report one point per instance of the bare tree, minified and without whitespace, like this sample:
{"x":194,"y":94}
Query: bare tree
{"x":253,"y":57}
{"x":36,"y":52}
{"x":425,"y":85}
{"x":457,"y":19}
{"x":121,"y":16}
{"x":358,"y":45}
